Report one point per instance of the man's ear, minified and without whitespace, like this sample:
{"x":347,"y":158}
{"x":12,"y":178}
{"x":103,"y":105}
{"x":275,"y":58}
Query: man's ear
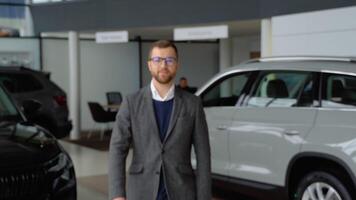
{"x":149,"y":65}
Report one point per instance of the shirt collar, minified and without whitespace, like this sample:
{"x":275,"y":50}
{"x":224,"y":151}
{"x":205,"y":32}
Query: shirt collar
{"x":157,"y":97}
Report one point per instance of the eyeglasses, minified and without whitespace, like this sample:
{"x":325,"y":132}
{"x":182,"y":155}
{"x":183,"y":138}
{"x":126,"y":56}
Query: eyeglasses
{"x":169,"y":61}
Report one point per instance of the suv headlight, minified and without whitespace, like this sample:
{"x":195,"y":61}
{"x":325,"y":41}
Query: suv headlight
{"x":62,"y":173}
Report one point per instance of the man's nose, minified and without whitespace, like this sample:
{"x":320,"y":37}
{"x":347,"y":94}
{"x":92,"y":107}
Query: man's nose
{"x":163,"y":63}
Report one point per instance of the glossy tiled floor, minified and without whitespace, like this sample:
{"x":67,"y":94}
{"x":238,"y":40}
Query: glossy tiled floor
{"x":91,"y":168}
{"x":88,"y":163}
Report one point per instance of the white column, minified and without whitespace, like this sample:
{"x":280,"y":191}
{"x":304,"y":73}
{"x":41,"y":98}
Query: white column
{"x":28,"y":31}
{"x":74,"y":84}
{"x":225,"y":53}
{"x":225,"y":61}
{"x":266,"y":37}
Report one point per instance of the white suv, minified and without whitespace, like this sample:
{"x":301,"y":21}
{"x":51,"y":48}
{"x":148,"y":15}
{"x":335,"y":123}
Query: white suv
{"x":285,"y":128}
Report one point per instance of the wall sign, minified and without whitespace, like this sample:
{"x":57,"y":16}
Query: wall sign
{"x":112,"y":37}
{"x":201,"y":33}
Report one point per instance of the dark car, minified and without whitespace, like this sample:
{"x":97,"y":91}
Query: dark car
{"x":32,"y":164}
{"x":25,"y":84}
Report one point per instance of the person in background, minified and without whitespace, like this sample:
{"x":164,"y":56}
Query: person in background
{"x":183,"y":84}
{"x":8,"y":32}
{"x":161,"y":123}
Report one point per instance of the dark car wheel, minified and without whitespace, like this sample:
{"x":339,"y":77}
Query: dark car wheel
{"x":321,"y":186}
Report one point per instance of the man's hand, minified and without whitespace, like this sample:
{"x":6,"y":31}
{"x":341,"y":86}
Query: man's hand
{"x":120,"y":198}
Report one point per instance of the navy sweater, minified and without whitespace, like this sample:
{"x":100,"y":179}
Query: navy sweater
{"x":163,"y":111}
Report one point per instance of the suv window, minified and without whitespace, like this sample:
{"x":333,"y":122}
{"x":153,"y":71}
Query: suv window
{"x":19,"y":83}
{"x":6,"y":106}
{"x":339,"y":91}
{"x":282,"y":89}
{"x":226,"y":92}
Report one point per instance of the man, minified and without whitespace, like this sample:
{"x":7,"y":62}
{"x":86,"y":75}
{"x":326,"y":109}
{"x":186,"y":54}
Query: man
{"x":183,"y":84}
{"x":161,"y":123}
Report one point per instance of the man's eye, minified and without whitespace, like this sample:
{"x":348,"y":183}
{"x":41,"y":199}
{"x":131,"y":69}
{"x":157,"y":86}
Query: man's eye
{"x":156,"y":59}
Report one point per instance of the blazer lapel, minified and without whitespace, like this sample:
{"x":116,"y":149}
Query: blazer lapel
{"x":175,"y":112}
{"x":151,"y":114}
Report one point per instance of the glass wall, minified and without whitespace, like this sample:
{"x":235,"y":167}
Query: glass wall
{"x":17,"y":45}
{"x":13,"y":18}
{"x":47,"y":1}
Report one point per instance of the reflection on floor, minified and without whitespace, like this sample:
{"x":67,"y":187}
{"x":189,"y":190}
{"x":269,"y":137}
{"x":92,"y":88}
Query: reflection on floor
{"x":89,"y":164}
{"x":91,"y":168}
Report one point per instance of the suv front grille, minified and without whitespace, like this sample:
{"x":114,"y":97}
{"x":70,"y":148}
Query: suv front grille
{"x":21,"y":185}
{"x":28,"y":183}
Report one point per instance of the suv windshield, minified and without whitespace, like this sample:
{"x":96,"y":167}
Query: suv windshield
{"x":8,"y":110}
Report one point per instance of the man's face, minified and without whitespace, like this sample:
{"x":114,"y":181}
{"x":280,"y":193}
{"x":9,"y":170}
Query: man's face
{"x":183,"y":83}
{"x":163,"y":64}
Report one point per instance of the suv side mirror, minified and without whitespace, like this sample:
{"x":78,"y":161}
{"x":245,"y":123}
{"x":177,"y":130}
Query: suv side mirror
{"x":30,"y":106}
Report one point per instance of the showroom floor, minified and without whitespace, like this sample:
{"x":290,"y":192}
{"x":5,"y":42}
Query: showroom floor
{"x":91,"y":170}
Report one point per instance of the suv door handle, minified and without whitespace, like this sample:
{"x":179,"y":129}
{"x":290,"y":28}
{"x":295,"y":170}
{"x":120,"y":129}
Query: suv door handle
{"x":291,"y":132}
{"x":221,"y":127}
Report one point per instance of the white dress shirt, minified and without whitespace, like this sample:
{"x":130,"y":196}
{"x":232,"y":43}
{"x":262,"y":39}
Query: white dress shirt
{"x":157,"y":97}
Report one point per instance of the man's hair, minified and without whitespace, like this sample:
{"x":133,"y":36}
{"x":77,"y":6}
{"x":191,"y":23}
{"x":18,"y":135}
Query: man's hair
{"x":162,"y":44}
{"x":182,"y":78}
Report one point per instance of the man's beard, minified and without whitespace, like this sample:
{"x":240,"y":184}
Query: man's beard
{"x":165,"y":80}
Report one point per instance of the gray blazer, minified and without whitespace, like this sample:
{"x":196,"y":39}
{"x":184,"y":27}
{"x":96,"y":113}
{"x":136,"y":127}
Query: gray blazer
{"x":136,"y":125}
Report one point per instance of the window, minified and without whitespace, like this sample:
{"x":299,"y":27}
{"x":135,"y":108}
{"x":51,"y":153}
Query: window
{"x":339,"y":91}
{"x":282,"y":89}
{"x":19,"y":83}
{"x":225,"y":92}
{"x":47,"y":1}
{"x":6,"y":106}
{"x":12,"y":18}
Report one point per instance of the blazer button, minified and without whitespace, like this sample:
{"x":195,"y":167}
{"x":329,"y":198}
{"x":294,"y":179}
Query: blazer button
{"x":158,"y":172}
{"x":162,"y":151}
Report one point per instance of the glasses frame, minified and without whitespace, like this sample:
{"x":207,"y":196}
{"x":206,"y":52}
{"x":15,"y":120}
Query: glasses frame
{"x":166,"y":62}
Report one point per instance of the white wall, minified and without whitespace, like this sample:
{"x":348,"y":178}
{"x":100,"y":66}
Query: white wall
{"x":329,"y":32}
{"x":243,"y":46}
{"x":26,"y":49}
{"x":198,"y":62}
{"x":104,"y":67}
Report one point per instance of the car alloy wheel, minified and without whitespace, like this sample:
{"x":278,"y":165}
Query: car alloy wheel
{"x":320,"y":185}
{"x":320,"y":191}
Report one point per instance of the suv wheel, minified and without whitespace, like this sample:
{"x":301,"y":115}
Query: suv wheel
{"x":321,"y":186}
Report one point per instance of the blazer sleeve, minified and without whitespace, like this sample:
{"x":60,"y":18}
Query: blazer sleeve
{"x":119,"y":147}
{"x":202,"y":152}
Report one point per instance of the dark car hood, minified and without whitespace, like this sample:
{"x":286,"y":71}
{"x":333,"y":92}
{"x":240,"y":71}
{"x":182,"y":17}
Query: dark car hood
{"x":26,"y":145}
